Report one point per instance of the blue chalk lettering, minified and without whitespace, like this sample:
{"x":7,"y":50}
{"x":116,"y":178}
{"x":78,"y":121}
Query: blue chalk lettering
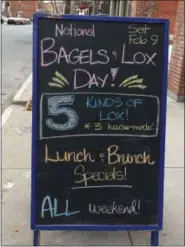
{"x":53,"y":209}
{"x":94,"y":102}
{"x":112,"y":116}
{"x":118,"y":102}
{"x":69,"y":213}
{"x":49,"y":207}
{"x":90,"y":102}
{"x":133,"y":103}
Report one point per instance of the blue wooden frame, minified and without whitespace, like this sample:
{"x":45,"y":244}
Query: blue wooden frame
{"x":35,"y":115}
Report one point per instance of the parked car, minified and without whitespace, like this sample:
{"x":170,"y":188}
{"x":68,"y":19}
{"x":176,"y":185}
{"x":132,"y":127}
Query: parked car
{"x":18,"y":21}
{"x":26,"y":20}
{"x":12,"y":21}
{"x":102,"y":14}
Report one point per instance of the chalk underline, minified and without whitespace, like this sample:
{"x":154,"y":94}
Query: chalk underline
{"x":104,"y":186}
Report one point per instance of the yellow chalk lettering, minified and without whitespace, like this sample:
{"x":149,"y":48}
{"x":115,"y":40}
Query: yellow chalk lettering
{"x":71,"y":157}
{"x":119,"y":175}
{"x":112,"y":155}
{"x":77,"y":157}
{"x":147,"y":159}
{"x":83,"y":175}
{"x":115,"y":157}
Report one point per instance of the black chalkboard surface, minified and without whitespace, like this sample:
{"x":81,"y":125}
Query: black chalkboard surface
{"x":98,"y":121}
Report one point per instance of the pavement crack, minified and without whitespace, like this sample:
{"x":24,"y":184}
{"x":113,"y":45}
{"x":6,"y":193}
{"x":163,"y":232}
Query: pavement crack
{"x":130,"y":238}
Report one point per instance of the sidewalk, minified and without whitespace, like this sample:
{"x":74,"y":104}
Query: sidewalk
{"x":16,"y":175}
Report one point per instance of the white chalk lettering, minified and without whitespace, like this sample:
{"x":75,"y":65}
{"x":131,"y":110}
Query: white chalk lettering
{"x":63,"y":30}
{"x":139,"y":30}
{"x":47,"y":51}
{"x":116,"y":209}
{"x":51,"y":54}
{"x":83,"y":78}
{"x":138,"y":58}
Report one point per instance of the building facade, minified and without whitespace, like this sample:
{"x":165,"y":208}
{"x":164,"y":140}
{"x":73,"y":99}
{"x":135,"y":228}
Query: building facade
{"x":157,"y":9}
{"x":20,"y":8}
{"x":174,"y":11}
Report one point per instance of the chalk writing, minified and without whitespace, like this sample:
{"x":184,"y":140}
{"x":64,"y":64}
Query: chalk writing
{"x":55,"y":109}
{"x":139,"y":35}
{"x":51,"y":208}
{"x":142,"y":127}
{"x":114,"y":72}
{"x":115,"y":157}
{"x":133,"y":28}
{"x":113,"y":154}
{"x":120,"y":127}
{"x":91,"y":79}
{"x":49,"y":54}
{"x":155,"y":39}
{"x":107,"y":102}
{"x":115,"y":114}
{"x":138,"y":58}
{"x":115,"y":54}
{"x":114,"y":208}
{"x":102,"y":186}
{"x":77,"y":157}
{"x":132,"y":82}
{"x":82,"y":176}
{"x":59,"y":80}
{"x":96,"y":126}
{"x":69,"y":30}
{"x":87,"y":126}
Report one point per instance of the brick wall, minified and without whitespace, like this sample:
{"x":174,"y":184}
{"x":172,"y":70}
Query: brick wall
{"x":142,"y":8}
{"x":168,"y":10}
{"x":156,"y":9}
{"x":28,"y":7}
{"x":176,"y":69}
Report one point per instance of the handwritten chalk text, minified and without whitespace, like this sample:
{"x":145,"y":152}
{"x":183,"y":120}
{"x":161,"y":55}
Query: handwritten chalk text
{"x":115,"y":157}
{"x":51,"y":54}
{"x":89,"y":80}
{"x":82,"y":176}
{"x":138,"y":58}
{"x":142,"y":127}
{"x":140,"y":35}
{"x":97,"y":102}
{"x":113,"y":154}
{"x":63,"y":30}
{"x":116,"y":209}
{"x":77,"y":157}
{"x":51,"y":208}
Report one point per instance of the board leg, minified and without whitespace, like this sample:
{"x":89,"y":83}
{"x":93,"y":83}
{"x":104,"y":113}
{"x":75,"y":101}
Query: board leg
{"x":36,"y":238}
{"x":154,"y":238}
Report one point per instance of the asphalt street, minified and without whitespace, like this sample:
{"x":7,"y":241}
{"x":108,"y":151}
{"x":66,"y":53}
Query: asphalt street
{"x":16,"y":59}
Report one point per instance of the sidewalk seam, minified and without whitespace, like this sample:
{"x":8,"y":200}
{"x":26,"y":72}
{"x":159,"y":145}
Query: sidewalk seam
{"x":22,"y":88}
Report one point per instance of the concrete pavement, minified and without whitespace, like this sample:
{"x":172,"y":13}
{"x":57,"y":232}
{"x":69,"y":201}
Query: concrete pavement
{"x":16,"y":56}
{"x":16,"y":175}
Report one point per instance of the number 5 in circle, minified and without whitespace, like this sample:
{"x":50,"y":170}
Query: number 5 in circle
{"x":57,"y":106}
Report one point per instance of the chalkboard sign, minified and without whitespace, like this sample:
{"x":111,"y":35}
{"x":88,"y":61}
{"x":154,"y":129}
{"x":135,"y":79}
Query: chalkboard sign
{"x":99,"y":110}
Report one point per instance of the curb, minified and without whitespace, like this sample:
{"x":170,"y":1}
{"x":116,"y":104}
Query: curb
{"x":6,"y":114}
